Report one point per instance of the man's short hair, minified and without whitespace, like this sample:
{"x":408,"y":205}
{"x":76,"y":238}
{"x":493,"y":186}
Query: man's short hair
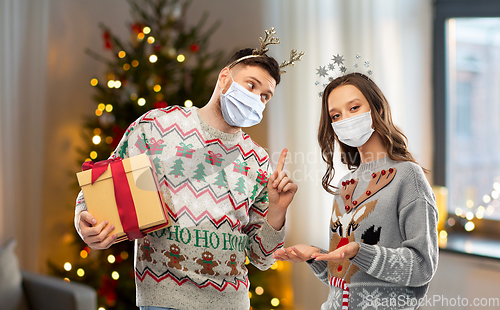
{"x":268,"y":63}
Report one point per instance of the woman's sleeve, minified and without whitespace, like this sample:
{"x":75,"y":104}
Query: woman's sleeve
{"x":320,"y":267}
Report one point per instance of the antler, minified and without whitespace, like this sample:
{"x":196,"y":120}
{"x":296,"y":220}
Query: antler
{"x":294,"y":56}
{"x":267,"y":41}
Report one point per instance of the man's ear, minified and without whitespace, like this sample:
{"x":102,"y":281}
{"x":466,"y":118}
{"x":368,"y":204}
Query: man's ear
{"x":223,"y":78}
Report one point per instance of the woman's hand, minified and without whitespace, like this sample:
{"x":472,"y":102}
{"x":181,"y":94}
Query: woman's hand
{"x":297,"y":254}
{"x":344,"y":252}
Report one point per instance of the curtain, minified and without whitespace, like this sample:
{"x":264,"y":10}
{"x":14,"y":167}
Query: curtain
{"x":23,"y":51}
{"x":395,"y":36}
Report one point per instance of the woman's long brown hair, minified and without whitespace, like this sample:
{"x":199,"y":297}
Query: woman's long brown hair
{"x":395,"y":142}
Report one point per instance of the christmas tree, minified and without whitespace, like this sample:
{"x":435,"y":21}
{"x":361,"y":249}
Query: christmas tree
{"x":177,"y":168}
{"x":240,"y":186}
{"x":200,"y":173}
{"x":221,"y":179}
{"x":164,"y":62}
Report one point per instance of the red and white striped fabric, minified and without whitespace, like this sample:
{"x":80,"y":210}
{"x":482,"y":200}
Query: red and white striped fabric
{"x":338,"y":282}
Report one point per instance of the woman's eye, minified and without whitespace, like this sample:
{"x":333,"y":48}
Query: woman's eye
{"x":251,"y":85}
{"x":264,"y":97}
{"x":354,"y":108}
{"x":334,"y":117}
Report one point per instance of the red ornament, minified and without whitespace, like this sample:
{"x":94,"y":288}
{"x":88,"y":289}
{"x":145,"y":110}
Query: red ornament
{"x":368,"y":193}
{"x":391,"y":170}
{"x":108,"y":289}
{"x":107,"y":40}
{"x":343,"y":183}
{"x":383,"y":172}
{"x":352,"y":181}
{"x":354,"y":202}
{"x":194,"y":48}
{"x":157,"y":47}
{"x":117,"y":135}
{"x":374,"y":175}
{"x":160,"y":105}
{"x":347,"y":208}
{"x":137,"y":28}
{"x":339,"y":269}
{"x":347,"y":196}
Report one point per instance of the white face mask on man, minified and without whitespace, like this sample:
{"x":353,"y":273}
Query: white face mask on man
{"x":354,"y":131}
{"x":240,"y":107}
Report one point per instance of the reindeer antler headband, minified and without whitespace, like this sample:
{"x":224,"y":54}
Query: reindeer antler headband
{"x":268,"y":40}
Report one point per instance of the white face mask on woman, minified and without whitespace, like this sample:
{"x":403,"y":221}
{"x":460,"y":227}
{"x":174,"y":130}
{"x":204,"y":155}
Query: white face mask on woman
{"x":354,"y":131}
{"x":240,"y":107}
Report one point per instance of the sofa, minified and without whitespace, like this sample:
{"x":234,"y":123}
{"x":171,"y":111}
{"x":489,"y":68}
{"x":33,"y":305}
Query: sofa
{"x":23,"y":290}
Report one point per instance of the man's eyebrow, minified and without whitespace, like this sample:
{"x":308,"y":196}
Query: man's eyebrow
{"x":260,"y":83}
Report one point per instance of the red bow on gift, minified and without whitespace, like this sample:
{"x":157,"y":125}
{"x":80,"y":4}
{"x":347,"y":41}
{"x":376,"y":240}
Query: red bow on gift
{"x":123,"y":195}
{"x":154,"y":141}
{"x":213,"y":155}
{"x":99,"y":167}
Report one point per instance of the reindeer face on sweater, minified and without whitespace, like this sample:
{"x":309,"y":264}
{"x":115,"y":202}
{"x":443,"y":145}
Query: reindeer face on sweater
{"x":344,"y":225}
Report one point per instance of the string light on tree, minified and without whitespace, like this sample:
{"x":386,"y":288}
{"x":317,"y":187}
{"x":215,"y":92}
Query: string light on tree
{"x":80,"y":272}
{"x":181,"y":58}
{"x":94,"y":82}
{"x":122,"y":54}
{"x":146,"y":30}
{"x":153,"y":58}
{"x":141,"y":102}
{"x":83,"y":254}
{"x":96,"y":140}
{"x":188,"y":103}
{"x":151,"y":40}
{"x":67,"y":266}
{"x":111,"y":258}
{"x":275,"y":302}
{"x":115,"y":275}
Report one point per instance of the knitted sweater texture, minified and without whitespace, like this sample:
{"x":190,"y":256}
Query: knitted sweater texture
{"x":214,"y":187}
{"x":388,"y":208}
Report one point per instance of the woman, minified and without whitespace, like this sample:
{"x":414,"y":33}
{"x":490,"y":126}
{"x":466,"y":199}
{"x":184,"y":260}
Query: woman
{"x":383,"y":250}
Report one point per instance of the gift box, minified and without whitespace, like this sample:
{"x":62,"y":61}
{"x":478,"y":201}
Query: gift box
{"x":262,"y":177}
{"x":241,"y":167}
{"x":126,"y":194}
{"x":214,"y":159}
{"x":185,"y":150}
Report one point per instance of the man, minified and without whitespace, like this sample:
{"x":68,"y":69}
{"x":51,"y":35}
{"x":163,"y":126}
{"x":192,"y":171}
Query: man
{"x":224,"y":201}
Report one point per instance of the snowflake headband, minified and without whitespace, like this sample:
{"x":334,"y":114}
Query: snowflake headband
{"x":338,"y":69}
{"x":270,"y":39}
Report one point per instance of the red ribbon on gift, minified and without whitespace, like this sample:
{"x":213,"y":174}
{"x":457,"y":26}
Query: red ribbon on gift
{"x":123,"y":195}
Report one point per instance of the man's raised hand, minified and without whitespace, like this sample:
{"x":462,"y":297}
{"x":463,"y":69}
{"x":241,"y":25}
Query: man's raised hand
{"x":280,"y":190}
